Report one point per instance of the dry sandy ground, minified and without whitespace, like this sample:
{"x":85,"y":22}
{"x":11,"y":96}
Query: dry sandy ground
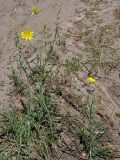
{"x":15,"y":16}
{"x":77,"y":16}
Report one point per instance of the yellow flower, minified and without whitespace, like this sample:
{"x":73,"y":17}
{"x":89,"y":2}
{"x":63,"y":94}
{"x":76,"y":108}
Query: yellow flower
{"x":91,"y":80}
{"x":27,"y":35}
{"x":35,"y":10}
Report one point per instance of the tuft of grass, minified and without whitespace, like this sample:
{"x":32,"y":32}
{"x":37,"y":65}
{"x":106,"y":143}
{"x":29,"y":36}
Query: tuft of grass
{"x":72,"y":65}
{"x":34,"y":122}
{"x":92,"y":135}
{"x":16,"y":81}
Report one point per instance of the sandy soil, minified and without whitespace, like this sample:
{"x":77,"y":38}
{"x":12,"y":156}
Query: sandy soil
{"x":15,"y":16}
{"x":77,"y":17}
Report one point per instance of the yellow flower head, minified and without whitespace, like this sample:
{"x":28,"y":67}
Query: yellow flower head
{"x":27,"y":35}
{"x":35,"y":10}
{"x":91,"y":80}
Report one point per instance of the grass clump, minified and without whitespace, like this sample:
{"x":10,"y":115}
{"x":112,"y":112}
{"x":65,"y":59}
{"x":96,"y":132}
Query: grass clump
{"x":33,"y":122}
{"x":93,"y":133}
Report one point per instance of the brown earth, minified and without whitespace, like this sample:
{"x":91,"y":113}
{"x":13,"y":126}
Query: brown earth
{"x":15,"y":16}
{"x":77,"y":18}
